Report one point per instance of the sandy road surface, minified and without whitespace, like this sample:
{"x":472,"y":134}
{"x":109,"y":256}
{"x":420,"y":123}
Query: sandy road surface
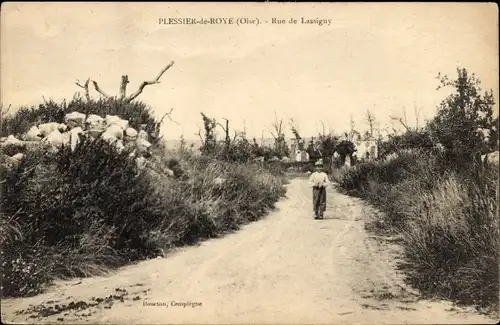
{"x":286,"y":268}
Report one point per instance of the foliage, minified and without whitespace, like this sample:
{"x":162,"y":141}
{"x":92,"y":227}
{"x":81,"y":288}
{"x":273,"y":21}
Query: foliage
{"x":412,"y":139}
{"x":137,"y":113}
{"x":55,"y":198}
{"x":239,"y":149}
{"x":448,"y":222}
{"x":280,"y":147}
{"x":298,"y":138}
{"x":210,"y":141}
{"x":312,"y":150}
{"x":460,"y":116}
{"x":443,"y":204}
{"x":326,"y":144}
{"x":79,"y":213}
{"x":345,"y":148}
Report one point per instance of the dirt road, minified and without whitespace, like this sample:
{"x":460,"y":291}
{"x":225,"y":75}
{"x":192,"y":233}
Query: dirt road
{"x":287,"y":268}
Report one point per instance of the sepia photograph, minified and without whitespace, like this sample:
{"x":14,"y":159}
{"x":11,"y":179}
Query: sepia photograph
{"x":249,"y":163}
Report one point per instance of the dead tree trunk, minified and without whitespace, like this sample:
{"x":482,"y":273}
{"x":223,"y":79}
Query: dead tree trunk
{"x":201,"y":137}
{"x":227,"y":140}
{"x":85,"y":87}
{"x":123,"y":86}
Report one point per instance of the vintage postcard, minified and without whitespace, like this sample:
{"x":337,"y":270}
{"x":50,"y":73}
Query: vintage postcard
{"x":249,"y":163}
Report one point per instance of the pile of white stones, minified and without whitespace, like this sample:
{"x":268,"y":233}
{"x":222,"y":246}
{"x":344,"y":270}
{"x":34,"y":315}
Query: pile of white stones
{"x":110,"y":128}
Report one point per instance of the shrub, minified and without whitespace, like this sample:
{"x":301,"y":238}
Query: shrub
{"x":137,"y":113}
{"x":448,"y":221}
{"x":78,"y":213}
{"x":392,"y":170}
{"x":460,"y":116}
{"x":451,"y":240}
{"x":413,"y":139}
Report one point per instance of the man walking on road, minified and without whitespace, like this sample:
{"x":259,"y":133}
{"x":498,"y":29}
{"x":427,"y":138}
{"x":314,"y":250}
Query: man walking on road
{"x":319,"y":182}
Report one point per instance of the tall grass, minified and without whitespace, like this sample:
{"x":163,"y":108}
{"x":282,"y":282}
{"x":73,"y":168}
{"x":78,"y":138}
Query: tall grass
{"x":452,"y":237}
{"x":448,"y":221}
{"x":80,"y":213}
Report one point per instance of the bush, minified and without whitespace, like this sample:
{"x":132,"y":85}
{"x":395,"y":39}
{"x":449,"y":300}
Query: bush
{"x":448,"y":221}
{"x":78,"y":213}
{"x":392,"y":170}
{"x":459,"y":118}
{"x":137,"y":113}
{"x":413,"y":139}
{"x":452,"y":240}
{"x":445,"y":205}
{"x":199,"y":208}
{"x":57,"y":199}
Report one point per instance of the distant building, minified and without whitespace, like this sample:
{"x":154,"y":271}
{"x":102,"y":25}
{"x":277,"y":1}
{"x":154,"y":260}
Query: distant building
{"x":293,"y":151}
{"x":367,"y":149}
{"x":296,"y":154}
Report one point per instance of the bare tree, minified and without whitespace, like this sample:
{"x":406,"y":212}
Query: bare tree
{"x":277,"y":127}
{"x":3,"y":112}
{"x":145,"y":83}
{"x":393,"y":128}
{"x":402,"y":120}
{"x":201,"y":137}
{"x":352,"y":125}
{"x":417,"y":115}
{"x":85,"y":87}
{"x":169,"y":115}
{"x":322,"y":128}
{"x":226,"y":131}
{"x":352,"y":132}
{"x":278,"y":134}
{"x":123,"y":86}
{"x":370,"y":119}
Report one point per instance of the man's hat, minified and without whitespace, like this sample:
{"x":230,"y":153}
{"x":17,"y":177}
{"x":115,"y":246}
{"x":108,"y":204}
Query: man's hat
{"x":319,"y":162}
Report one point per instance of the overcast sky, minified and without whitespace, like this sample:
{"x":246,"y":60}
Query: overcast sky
{"x":380,"y":57}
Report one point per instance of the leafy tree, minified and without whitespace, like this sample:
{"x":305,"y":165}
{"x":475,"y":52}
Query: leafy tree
{"x":257,"y":150}
{"x":345,"y":148}
{"x":326,"y":144}
{"x":182,"y":144}
{"x":312,"y":150}
{"x":298,"y":138}
{"x":412,"y":139}
{"x":210,"y":143}
{"x":460,"y":117}
{"x":240,"y":150}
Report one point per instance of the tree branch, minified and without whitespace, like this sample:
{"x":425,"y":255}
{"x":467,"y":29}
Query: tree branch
{"x":99,"y":90}
{"x":169,"y":117}
{"x":85,"y":86}
{"x":322,"y":127}
{"x":417,"y":115}
{"x":201,"y":137}
{"x":222,"y":126}
{"x":2,"y":112}
{"x":277,"y":126}
{"x":147,"y":83}
{"x":272,"y":134}
{"x":400,"y":120}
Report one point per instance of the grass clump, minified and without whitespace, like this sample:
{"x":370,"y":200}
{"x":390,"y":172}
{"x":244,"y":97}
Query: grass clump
{"x":81,"y":212}
{"x":448,"y":222}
